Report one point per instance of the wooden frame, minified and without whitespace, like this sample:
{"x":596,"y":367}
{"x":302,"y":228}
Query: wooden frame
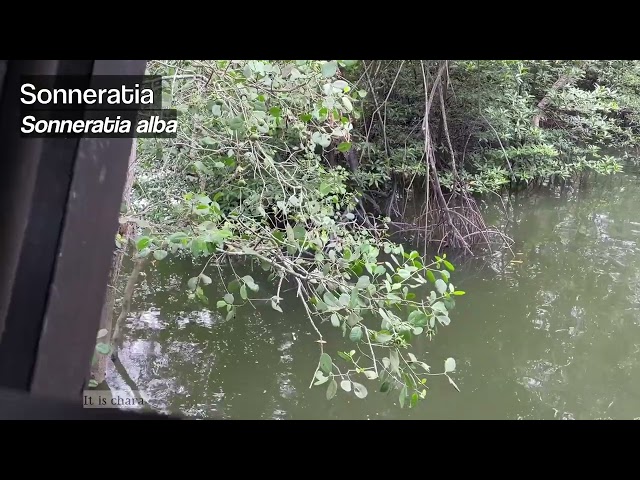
{"x":60,"y":201}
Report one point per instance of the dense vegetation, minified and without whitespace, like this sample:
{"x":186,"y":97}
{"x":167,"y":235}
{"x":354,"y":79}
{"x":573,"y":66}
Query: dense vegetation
{"x":320,"y":172}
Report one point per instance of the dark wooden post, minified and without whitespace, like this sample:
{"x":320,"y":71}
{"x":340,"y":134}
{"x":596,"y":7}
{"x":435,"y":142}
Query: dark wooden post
{"x":59,"y":207}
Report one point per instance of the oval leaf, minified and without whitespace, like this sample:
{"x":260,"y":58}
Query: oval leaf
{"x":363,"y":282}
{"x":441,"y":286}
{"x":321,"y":378}
{"x":329,"y":69}
{"x":394,"y":359}
{"x":370,"y":374}
{"x":449,"y":365}
{"x":356,"y":334}
{"x":360,"y":390}
{"x":325,"y":363}
{"x":332,"y":389}
{"x":142,"y":243}
{"x":344,"y":147}
{"x":345,"y":385}
{"x":102,"y":333}
{"x":403,"y":396}
{"x":160,"y":254}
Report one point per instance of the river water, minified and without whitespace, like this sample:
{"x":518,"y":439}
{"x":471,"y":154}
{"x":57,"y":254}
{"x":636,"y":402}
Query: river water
{"x":553,"y":335}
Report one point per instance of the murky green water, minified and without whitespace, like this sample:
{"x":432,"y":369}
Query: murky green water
{"x":556,"y":336}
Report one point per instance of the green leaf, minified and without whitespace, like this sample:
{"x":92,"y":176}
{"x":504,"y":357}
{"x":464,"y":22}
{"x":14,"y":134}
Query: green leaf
{"x":142,"y":243}
{"x":93,"y":383}
{"x":221,"y":303}
{"x":243,"y":292}
{"x":275,"y":111}
{"x":330,"y":299}
{"x":325,"y":363}
{"x":441,"y":286}
{"x":332,"y":389}
{"x":234,"y":285}
{"x":417,"y":330}
{"x":205,"y":279}
{"x":384,"y":387}
{"x":345,"y":385}
{"x":360,"y":390}
{"x":445,"y":275}
{"x":208,"y":141}
{"x":335,"y":321}
{"x":394,"y":361}
{"x":370,"y":374}
{"x":344,"y":356}
{"x":414,"y":400}
{"x":248,"y":280}
{"x":448,"y":264}
{"x":200,"y":294}
{"x":192,"y":283}
{"x":380,"y":270}
{"x":344,"y":300}
{"x":431,"y":277}
{"x":229,"y":298}
{"x":363,"y":282}
{"x":344,"y":147}
{"x":177,"y":237}
{"x":340,"y":85}
{"x":353,"y":319}
{"x":347,"y":104}
{"x":449,"y":365}
{"x":325,"y":188}
{"x":383,"y":337}
{"x":459,"y":293}
{"x":321,"y":139}
{"x":236,"y":123}
{"x":329,"y":69}
{"x":356,"y":334}
{"x":321,"y":378}
{"x":418,"y":318}
{"x":439,"y":307}
{"x":403,"y":396}
{"x":103,"y":348}
{"x":160,"y":254}
{"x":362,"y":93}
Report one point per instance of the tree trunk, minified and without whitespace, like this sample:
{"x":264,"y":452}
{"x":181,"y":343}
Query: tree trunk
{"x":544,"y":103}
{"x":99,"y":366}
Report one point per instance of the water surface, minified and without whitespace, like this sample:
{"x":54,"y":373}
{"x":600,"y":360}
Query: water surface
{"x":553,"y":335}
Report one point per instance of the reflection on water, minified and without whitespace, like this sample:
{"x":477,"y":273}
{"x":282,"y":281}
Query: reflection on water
{"x":551,"y":331}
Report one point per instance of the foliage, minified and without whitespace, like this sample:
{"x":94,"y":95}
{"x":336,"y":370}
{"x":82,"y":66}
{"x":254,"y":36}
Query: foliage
{"x":262,"y":174}
{"x":247,"y":182}
{"x":491,"y":106}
